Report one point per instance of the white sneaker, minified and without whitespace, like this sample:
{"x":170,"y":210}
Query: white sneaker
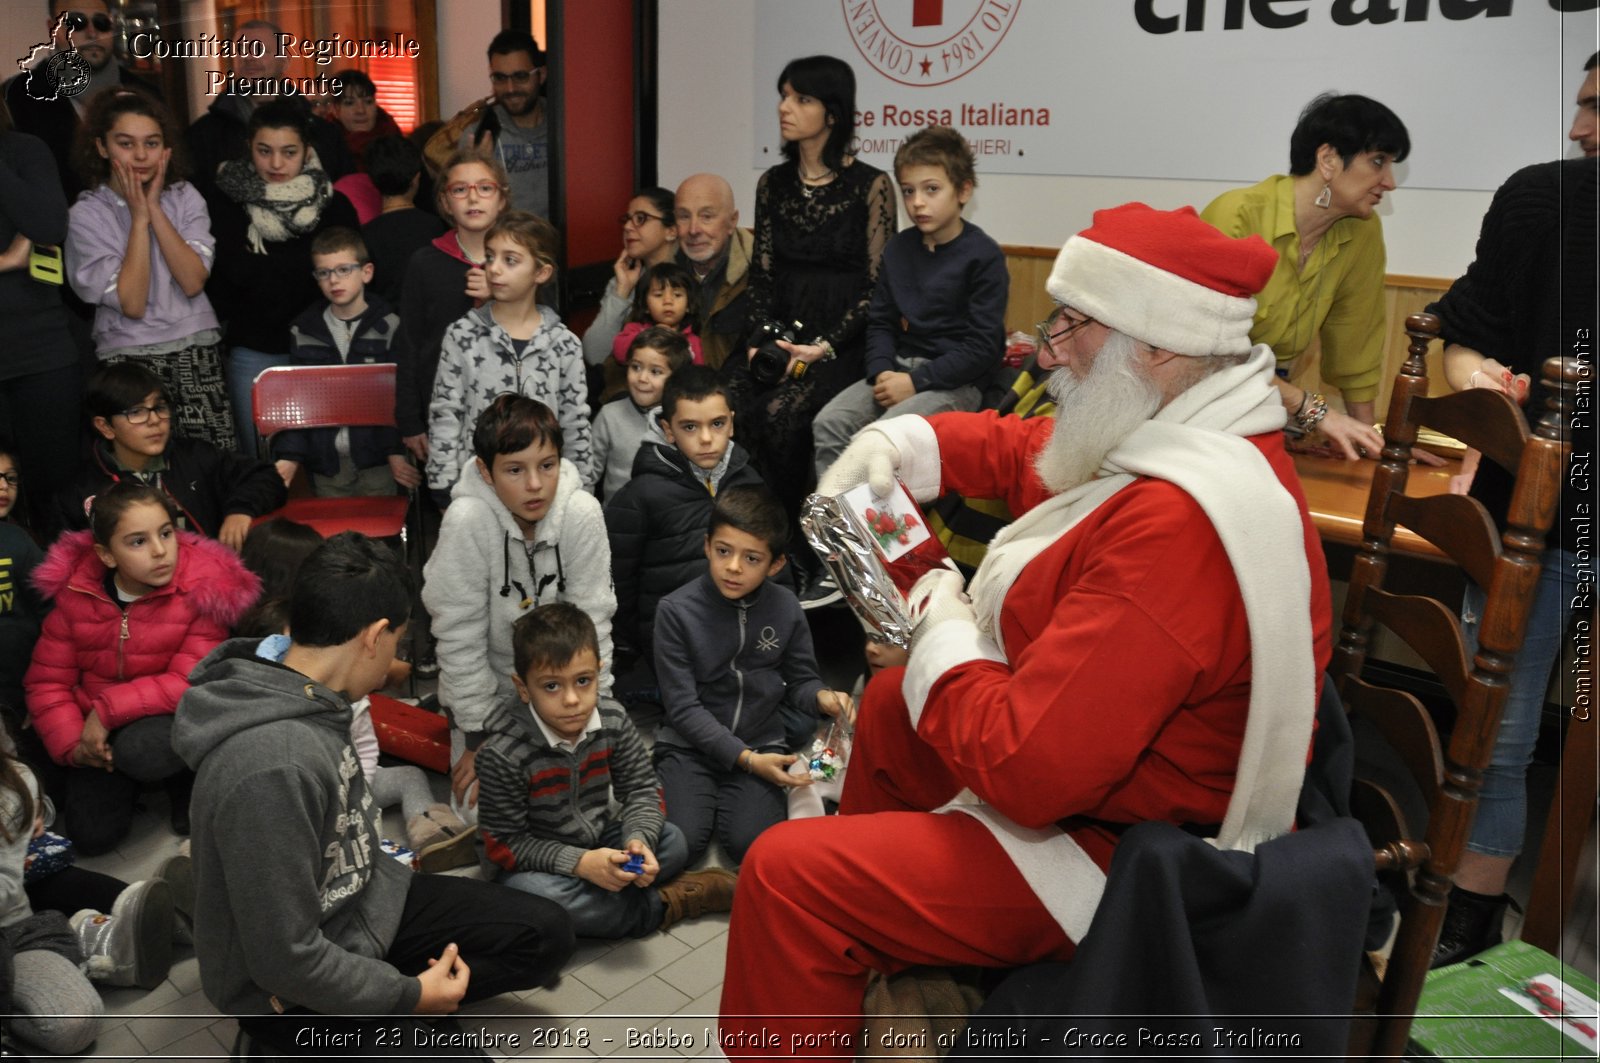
{"x":133,"y":945}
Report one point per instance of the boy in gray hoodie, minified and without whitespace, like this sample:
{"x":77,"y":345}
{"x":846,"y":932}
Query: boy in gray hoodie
{"x":299,"y":917}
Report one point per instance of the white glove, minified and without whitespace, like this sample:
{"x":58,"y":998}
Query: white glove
{"x":937,"y":597}
{"x":870,"y":458}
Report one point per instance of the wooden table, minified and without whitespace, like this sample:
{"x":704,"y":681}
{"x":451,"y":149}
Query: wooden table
{"x":1336,"y":490}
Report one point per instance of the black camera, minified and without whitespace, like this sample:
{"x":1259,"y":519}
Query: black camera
{"x":770,"y":360}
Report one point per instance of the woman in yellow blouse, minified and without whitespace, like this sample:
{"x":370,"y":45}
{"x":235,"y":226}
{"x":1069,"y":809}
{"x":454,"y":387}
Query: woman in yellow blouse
{"x":1321,"y":220}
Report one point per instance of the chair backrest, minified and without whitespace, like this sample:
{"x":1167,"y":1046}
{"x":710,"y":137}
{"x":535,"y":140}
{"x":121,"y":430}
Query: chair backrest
{"x":1507,"y":566}
{"x":323,"y":396}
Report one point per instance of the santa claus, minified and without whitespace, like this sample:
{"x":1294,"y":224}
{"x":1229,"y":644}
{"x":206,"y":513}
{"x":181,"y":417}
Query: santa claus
{"x":1145,"y":642}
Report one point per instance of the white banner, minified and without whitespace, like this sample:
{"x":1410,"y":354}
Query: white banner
{"x":1195,"y":89}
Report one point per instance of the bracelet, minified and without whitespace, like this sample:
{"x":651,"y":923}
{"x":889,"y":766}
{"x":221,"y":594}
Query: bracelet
{"x":828,"y":353}
{"x":744,"y":760}
{"x":1304,"y":395}
{"x":1310,"y":418}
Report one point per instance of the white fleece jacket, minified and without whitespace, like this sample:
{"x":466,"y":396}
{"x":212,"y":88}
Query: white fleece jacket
{"x":481,"y":578}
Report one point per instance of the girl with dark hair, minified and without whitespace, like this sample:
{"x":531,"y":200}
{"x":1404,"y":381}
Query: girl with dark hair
{"x":666,"y":296}
{"x":1322,"y":220}
{"x":137,"y":605}
{"x":649,"y":236}
{"x":822,"y":220}
{"x":269,"y":206}
{"x":139,"y":250}
{"x":39,"y":375}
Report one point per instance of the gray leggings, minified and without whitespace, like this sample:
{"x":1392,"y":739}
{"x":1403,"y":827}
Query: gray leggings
{"x":55,"y":1006}
{"x":403,"y":785}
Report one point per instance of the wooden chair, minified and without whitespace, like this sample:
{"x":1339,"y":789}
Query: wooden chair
{"x":1508,"y":566}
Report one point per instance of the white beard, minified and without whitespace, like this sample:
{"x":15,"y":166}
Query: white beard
{"x":1094,"y":413}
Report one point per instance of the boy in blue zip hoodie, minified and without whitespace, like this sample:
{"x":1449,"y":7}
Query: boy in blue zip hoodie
{"x":738,"y":681}
{"x":353,"y":326}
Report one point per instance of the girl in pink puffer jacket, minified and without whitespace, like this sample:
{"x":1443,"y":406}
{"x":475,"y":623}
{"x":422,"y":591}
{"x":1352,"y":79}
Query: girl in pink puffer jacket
{"x":137,"y":605}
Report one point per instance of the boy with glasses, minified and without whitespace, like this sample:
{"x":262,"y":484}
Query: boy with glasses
{"x":352,"y":326}
{"x":217,"y":493}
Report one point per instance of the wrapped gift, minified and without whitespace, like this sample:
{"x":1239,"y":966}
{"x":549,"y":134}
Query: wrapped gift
{"x":411,"y":733}
{"x":47,"y":854}
{"x":875,"y":549}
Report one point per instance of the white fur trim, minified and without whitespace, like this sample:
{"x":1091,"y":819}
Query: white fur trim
{"x":948,"y":645}
{"x":1148,"y":303}
{"x":920,"y":468}
{"x":1059,"y":872}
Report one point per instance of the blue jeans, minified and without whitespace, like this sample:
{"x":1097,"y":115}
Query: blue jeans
{"x":244,"y":365}
{"x":1503,"y":802}
{"x":598,"y":913}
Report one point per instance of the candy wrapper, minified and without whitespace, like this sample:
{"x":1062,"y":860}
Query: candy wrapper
{"x":875,"y":549}
{"x":399,"y":852}
{"x":830,"y":751}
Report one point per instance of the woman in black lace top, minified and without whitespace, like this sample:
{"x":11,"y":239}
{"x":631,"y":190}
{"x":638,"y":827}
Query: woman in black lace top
{"x":822,"y":219}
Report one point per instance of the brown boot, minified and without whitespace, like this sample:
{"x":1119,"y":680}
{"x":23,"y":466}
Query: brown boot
{"x":696,"y":893}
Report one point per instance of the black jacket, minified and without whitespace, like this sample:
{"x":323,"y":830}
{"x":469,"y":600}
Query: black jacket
{"x":205,"y":483}
{"x":657,"y":528}
{"x":256,"y":295}
{"x":310,"y":343}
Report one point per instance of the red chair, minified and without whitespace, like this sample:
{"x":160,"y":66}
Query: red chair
{"x":332,"y":396}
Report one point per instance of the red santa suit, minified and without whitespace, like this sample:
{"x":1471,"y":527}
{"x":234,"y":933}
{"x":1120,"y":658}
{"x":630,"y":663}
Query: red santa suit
{"x":1107,"y":680}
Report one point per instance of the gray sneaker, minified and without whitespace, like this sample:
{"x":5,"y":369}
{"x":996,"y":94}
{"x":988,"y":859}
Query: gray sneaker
{"x":133,"y":945}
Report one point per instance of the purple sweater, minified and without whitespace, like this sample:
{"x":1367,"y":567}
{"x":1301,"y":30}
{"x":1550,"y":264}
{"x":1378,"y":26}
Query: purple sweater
{"x":97,"y":240}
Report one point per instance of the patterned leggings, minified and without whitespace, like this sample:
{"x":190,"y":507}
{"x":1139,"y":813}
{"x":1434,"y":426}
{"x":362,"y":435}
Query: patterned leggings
{"x":198,"y":393}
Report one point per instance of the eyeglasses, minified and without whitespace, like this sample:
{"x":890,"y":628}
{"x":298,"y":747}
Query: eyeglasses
{"x":341,"y":271}
{"x":485,"y":189}
{"x":77,"y":20}
{"x":11,"y":478}
{"x":1050,"y":335}
{"x":141,"y":414}
{"x":520,"y":77}
{"x":639,"y":217}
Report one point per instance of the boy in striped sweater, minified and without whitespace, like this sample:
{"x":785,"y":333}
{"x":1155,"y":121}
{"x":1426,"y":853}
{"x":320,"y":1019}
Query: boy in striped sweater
{"x":569,"y":805}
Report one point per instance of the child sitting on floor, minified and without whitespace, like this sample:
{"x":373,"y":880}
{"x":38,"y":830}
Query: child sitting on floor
{"x":569,"y":800}
{"x":275,"y":551}
{"x":738,"y":680}
{"x":299,"y":917}
{"x":137,"y":605}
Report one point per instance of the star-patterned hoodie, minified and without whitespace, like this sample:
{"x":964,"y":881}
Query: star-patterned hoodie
{"x":479,"y":361}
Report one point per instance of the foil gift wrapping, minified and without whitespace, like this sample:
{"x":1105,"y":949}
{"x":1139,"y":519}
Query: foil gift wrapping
{"x":847,"y":549}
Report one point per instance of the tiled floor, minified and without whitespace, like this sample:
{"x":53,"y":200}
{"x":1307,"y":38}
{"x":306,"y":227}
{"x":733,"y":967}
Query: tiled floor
{"x":664,"y":983}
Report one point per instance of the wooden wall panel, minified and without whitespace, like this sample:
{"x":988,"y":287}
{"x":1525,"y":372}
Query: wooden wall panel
{"x":1404,"y":295}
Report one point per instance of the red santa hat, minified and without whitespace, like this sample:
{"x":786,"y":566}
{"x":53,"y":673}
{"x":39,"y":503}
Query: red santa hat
{"x":1164,"y":277}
